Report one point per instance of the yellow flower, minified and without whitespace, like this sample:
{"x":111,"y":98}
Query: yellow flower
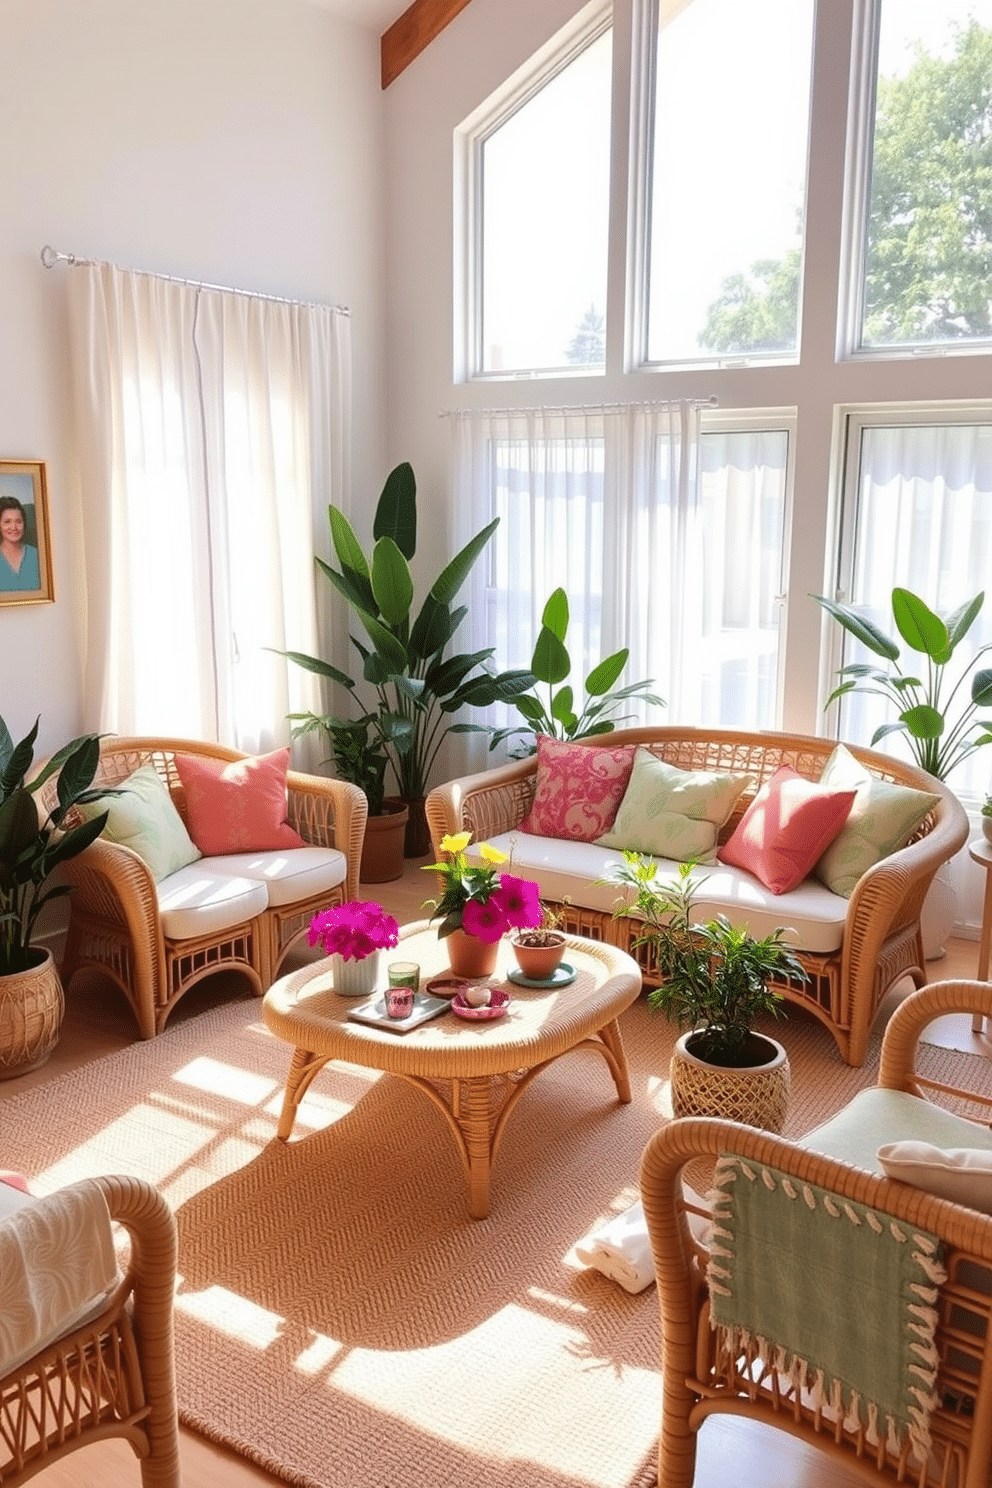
{"x":491,"y":854}
{"x":456,"y":844}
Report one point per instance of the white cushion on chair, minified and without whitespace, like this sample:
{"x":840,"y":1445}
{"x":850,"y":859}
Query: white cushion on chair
{"x":290,"y":874}
{"x":57,"y":1268}
{"x":961,"y":1174}
{"x":876,"y":1117}
{"x":200,"y":901}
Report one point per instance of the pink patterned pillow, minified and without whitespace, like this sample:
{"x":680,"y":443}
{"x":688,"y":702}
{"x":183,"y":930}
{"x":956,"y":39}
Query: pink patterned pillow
{"x":237,"y":807}
{"x":786,"y":828}
{"x":578,"y":789}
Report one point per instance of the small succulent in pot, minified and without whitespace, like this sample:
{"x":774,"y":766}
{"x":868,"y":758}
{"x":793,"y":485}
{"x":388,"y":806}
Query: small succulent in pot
{"x":540,"y":948}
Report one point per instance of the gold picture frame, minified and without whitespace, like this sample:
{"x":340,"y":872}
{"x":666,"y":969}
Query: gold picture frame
{"x":25,"y":559}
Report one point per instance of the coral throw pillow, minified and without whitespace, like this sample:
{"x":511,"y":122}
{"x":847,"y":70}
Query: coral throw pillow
{"x":786,"y":828}
{"x":238,"y":807}
{"x":578,"y":790}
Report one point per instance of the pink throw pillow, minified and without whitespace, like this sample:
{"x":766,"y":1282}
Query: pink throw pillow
{"x":237,"y":807}
{"x":786,"y":829}
{"x":578,"y":789}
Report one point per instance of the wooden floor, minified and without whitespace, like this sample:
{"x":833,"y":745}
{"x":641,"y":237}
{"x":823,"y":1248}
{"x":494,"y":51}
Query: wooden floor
{"x":731,"y":1453}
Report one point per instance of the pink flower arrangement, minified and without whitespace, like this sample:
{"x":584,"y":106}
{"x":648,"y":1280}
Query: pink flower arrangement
{"x":353,"y":930}
{"x":479,"y":900}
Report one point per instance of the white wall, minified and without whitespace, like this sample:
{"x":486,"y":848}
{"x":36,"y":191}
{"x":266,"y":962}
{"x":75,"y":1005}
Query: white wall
{"x":238,"y":142}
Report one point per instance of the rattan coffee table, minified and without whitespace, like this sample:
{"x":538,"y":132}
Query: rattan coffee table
{"x":472,"y":1072}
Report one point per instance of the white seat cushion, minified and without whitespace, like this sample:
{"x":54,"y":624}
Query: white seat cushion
{"x":199,"y":901}
{"x":812,"y":916}
{"x":875,"y":1117}
{"x":290,"y":874}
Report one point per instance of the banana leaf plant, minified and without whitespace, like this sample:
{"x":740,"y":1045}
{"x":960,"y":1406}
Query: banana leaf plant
{"x":31,"y":848}
{"x":937,"y":708}
{"x":554,"y":713}
{"x":418,"y":687}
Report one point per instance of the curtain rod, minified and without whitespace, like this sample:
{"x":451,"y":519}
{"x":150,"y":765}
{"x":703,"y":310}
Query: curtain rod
{"x":711,"y":402}
{"x":51,"y":256}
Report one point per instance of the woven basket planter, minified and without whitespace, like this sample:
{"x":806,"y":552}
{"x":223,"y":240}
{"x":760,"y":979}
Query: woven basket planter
{"x":31,"y":1010}
{"x":757,"y":1095}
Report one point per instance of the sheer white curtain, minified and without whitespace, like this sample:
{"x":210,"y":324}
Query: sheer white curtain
{"x":602,"y":502}
{"x":213,"y":431}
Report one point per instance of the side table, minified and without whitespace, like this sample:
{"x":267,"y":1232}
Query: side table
{"x":980,"y":851}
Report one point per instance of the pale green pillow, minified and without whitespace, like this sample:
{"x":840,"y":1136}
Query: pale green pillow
{"x":882,"y":820}
{"x":144,"y":818}
{"x":673,"y":813}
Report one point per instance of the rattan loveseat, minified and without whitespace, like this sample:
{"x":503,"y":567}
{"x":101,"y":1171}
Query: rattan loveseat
{"x":878,"y":934}
{"x":116,"y":927}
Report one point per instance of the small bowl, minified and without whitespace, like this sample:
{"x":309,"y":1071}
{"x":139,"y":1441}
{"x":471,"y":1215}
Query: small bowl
{"x":445,"y":986}
{"x":498,"y":1004}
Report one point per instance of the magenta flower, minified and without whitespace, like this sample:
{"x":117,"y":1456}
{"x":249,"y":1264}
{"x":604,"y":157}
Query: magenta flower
{"x":353,"y":930}
{"x":486,"y":921}
{"x":520,"y":900}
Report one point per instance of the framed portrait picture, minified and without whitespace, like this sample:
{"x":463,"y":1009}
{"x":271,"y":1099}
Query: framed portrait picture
{"x":25,"y":539}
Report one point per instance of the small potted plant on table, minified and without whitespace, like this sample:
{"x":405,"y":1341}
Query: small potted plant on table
{"x":540,"y":948}
{"x":716,"y":981}
{"x":479,"y":905}
{"x":987,"y":818}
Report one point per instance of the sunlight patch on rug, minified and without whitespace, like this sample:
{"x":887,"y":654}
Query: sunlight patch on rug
{"x":466,"y":1392}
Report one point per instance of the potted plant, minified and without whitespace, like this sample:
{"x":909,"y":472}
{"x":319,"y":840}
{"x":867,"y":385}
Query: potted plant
{"x":540,"y":948}
{"x":479,"y":905}
{"x":31,"y":848}
{"x":354,"y":935}
{"x":987,"y":818}
{"x":936,"y":704}
{"x":938,"y":723}
{"x":716,"y":981}
{"x":418,"y":688}
{"x":551,"y":665}
{"x":360,"y":759}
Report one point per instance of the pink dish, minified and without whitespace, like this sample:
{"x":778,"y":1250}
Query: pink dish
{"x":498,"y":1004}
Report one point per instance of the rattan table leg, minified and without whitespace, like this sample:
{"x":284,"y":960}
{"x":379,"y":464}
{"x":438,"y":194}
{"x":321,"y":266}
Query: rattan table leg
{"x":303,"y":1070}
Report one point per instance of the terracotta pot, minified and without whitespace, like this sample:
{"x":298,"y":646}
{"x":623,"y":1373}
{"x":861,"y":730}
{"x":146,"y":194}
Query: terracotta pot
{"x":470,"y":957}
{"x":539,"y":962}
{"x":31,"y":1011}
{"x":383,"y":848}
{"x":758,"y":1095}
{"x":418,"y":833}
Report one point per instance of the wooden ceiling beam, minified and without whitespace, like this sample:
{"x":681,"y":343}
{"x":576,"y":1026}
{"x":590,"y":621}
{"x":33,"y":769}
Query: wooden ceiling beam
{"x":415,"y":29}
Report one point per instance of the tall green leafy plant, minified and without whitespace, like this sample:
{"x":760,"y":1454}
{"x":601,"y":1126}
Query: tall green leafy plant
{"x":554,"y":712}
{"x":418,"y":687}
{"x":936,"y":709}
{"x":32,"y":847}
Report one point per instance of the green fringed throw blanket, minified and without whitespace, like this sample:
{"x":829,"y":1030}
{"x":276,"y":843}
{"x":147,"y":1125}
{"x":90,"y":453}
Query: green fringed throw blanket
{"x":838,"y":1298}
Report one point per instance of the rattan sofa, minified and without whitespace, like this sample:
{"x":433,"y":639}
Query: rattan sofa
{"x":112,"y":1375}
{"x":703,"y":1377}
{"x":115,"y":926}
{"x":879,"y":933}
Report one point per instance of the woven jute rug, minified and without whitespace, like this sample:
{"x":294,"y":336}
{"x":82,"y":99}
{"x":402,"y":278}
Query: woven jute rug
{"x":340,"y":1320}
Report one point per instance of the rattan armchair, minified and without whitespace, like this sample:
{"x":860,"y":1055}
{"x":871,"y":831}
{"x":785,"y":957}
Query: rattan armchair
{"x":701,"y":1378}
{"x":115,"y":1374}
{"x":115,"y":928}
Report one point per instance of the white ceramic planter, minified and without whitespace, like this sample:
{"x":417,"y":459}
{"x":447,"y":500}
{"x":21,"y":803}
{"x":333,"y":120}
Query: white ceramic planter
{"x":356,"y":978}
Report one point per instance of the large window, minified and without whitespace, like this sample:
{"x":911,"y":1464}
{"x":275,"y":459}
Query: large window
{"x":541,"y":192}
{"x":927,"y":249}
{"x":728,"y":185}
